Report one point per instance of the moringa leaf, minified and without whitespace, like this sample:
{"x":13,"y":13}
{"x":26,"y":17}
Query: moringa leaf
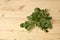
{"x":22,"y":25}
{"x":39,"y":18}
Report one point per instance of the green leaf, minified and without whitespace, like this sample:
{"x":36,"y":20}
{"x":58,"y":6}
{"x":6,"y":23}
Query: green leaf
{"x":22,"y":25}
{"x":29,"y":18}
{"x":46,"y":31}
{"x":50,"y":25}
{"x":37,"y":9}
{"x":47,"y":14}
{"x":29,"y":28}
{"x":49,"y":18}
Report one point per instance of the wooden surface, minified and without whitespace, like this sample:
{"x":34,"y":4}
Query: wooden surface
{"x":14,"y":12}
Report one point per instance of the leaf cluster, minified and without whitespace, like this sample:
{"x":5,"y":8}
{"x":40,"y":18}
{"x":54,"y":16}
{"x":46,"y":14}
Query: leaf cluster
{"x":39,"y":18}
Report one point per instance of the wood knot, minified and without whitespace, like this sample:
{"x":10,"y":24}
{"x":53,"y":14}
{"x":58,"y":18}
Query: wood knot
{"x":21,"y":7}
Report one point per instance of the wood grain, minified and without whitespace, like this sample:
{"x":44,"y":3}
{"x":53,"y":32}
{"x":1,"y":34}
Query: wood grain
{"x":11,"y":16}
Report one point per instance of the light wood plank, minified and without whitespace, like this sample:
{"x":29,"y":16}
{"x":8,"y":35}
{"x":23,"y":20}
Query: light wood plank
{"x":14,"y":12}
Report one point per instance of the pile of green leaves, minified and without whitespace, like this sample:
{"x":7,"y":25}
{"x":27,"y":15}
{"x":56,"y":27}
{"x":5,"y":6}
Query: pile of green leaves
{"x":39,"y":18}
